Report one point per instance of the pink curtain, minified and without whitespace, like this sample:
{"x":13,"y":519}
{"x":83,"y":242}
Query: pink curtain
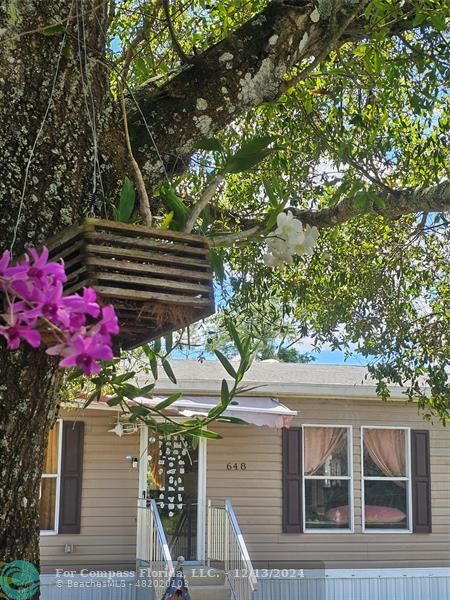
{"x":320,"y":443}
{"x":386,"y":447}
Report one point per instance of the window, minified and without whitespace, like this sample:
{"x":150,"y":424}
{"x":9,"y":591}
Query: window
{"x":327,"y":480}
{"x":386,"y":479}
{"x":50,"y":482}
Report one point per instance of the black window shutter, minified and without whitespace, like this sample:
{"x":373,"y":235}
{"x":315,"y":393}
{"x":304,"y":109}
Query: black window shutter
{"x":292,"y":480}
{"x":71,"y":477}
{"x":421,"y":480}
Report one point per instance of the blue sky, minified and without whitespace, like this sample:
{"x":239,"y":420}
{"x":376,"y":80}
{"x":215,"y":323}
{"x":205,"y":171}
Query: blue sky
{"x":325,"y":357}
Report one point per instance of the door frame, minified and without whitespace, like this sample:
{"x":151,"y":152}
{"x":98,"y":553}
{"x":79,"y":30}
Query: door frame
{"x":201,"y":489}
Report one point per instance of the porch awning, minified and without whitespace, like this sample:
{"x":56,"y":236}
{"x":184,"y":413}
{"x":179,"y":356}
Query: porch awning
{"x":268,"y":412}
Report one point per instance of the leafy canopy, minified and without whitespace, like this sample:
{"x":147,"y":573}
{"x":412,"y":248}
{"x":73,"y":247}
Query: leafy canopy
{"x":370,"y":119}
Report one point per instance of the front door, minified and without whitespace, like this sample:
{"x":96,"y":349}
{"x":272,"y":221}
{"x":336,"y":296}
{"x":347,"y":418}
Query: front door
{"x":172,"y":480}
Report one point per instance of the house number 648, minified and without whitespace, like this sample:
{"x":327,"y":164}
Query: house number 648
{"x":236,"y":466}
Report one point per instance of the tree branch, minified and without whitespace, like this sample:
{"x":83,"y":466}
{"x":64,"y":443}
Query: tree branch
{"x":427,"y":200}
{"x":205,"y":199}
{"x":230,"y":239}
{"x":144,"y":203}
{"x":431,"y":199}
{"x":175,"y":43}
{"x":242,"y":71}
{"x":335,"y":33}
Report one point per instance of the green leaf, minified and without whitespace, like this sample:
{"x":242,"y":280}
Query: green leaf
{"x":226,"y":364}
{"x":165,"y":224}
{"x":438,"y":22}
{"x":231,"y":420}
{"x":234,"y":336}
{"x":147,"y":390}
{"x":169,"y":342}
{"x":209,"y":144}
{"x":114,"y":401}
{"x":118,"y":379}
{"x":224,"y":392}
{"x":210,"y":435}
{"x":151,"y":356}
{"x":127,"y":201}
{"x":157,"y":346}
{"x":95,"y":395}
{"x":130,"y":391}
{"x":249,"y":155}
{"x":56,"y":29}
{"x":75,"y":374}
{"x":168,"y":401}
{"x":180,"y":210}
{"x":216,"y":259}
{"x":168,"y":370}
{"x":419,"y":19}
{"x":379,"y":202}
{"x":192,"y":423}
{"x":272,"y":190}
{"x":308,"y":105}
{"x":139,"y":411}
{"x":216,"y":411}
{"x":362,"y":201}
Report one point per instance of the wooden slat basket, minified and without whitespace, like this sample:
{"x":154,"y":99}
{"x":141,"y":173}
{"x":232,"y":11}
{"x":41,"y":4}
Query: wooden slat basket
{"x":158,"y":281}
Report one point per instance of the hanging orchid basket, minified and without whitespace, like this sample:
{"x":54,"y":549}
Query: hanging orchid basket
{"x":158,"y":281}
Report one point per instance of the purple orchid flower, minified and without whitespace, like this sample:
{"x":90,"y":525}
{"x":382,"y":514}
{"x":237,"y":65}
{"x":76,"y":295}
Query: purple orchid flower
{"x":34,"y":290}
{"x":21,"y":312}
{"x":87,"y":303}
{"x":4,"y":262}
{"x":84,"y":353}
{"x":14,"y":334}
{"x":10,"y":274}
{"x":41,"y":268}
{"x":109,"y":324}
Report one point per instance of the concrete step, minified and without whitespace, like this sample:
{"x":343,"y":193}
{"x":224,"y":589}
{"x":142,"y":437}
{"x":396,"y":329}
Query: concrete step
{"x":209,"y":592}
{"x":206,"y":583}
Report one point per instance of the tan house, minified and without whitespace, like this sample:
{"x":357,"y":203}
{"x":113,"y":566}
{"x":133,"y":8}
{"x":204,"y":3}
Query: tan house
{"x":325,"y":492}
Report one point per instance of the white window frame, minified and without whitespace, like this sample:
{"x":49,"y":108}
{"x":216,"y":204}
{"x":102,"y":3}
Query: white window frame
{"x":56,"y":476}
{"x":348,"y":477}
{"x":407,"y":478}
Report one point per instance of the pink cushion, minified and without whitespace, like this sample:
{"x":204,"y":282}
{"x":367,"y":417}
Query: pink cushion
{"x":339,"y":515}
{"x":383,"y":514}
{"x":374,"y":514}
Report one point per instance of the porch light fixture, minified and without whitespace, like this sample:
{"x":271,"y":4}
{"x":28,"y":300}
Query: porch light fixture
{"x":122,"y":429}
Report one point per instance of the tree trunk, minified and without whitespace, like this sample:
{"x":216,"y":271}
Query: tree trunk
{"x":28,"y":405}
{"x":54,"y":103}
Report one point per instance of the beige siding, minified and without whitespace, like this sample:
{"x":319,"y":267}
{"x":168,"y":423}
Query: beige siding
{"x":108,"y":506}
{"x":256,"y":492}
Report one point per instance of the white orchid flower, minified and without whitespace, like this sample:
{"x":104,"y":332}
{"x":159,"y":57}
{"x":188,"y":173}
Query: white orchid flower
{"x":289,"y":239}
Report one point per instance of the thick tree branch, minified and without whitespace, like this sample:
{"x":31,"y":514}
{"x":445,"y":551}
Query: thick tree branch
{"x":244,"y":70}
{"x":431,"y":199}
{"x":229,"y":239}
{"x":427,"y":200}
{"x":205,"y":199}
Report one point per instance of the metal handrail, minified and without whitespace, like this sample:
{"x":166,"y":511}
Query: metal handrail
{"x":245,"y":556}
{"x":152,"y":551}
{"x":162,"y":537}
{"x":226,"y":545}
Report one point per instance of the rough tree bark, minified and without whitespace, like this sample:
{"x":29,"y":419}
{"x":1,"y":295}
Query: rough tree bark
{"x":46,"y":182}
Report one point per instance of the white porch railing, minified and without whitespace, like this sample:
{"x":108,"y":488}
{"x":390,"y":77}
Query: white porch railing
{"x":226,"y":545}
{"x":154,"y":562}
